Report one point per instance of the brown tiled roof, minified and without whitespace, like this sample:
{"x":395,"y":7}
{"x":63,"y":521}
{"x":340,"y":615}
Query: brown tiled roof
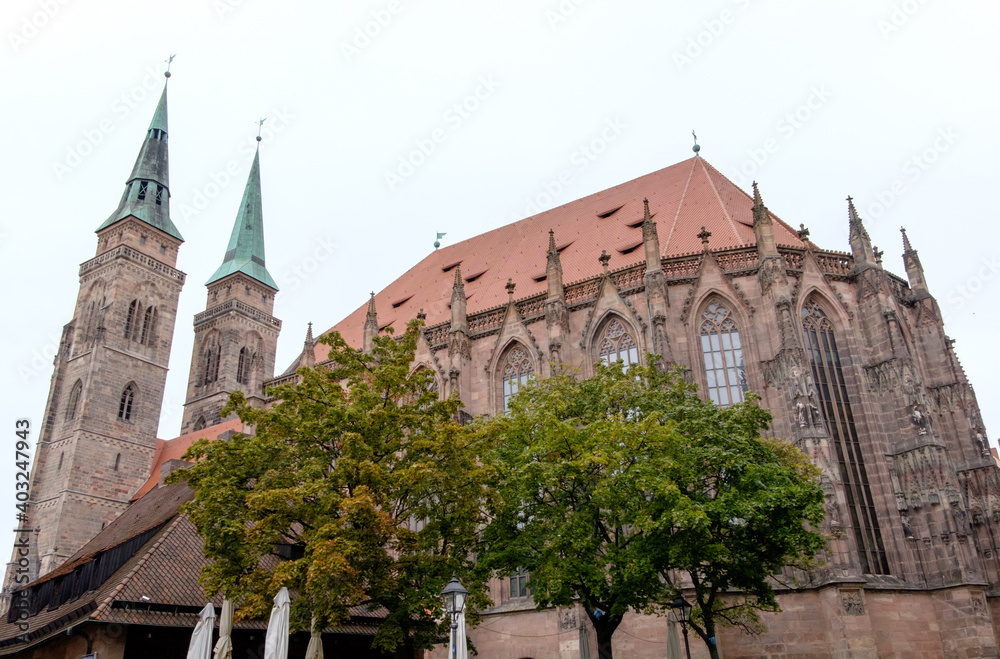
{"x":174,"y":449}
{"x":682,"y":199}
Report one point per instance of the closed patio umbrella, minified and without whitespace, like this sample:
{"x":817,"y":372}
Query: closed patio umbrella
{"x":276,"y":641}
{"x":201,"y":638}
{"x":224,"y":646}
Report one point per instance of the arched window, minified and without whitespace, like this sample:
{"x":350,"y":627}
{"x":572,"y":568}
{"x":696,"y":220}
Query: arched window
{"x":722,"y":353}
{"x":199,"y":424}
{"x":516,"y":369}
{"x":617,"y":343}
{"x":148,"y":323}
{"x":213,"y":354}
{"x":74,"y":400}
{"x":132,"y":319}
{"x":244,"y":366}
{"x":125,"y":405}
{"x":118,"y":461}
{"x":831,"y":390}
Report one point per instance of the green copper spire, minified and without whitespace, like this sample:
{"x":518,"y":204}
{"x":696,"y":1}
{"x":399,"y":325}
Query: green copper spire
{"x":147,"y":191}
{"x":246,"y":246}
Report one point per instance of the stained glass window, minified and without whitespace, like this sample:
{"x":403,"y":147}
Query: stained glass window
{"x":517,"y":367}
{"x":722,"y":353}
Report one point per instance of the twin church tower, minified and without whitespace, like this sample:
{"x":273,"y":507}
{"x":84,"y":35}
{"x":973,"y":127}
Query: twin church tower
{"x":96,"y":444}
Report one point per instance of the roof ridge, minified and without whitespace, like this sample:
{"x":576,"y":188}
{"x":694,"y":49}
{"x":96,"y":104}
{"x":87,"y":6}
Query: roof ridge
{"x":722,"y":204}
{"x":680,"y":204}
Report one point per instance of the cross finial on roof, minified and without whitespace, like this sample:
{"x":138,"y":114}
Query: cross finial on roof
{"x":878,"y":255}
{"x":169,"y":61}
{"x":421,"y":315}
{"x":697,"y":147}
{"x":604,"y":259}
{"x":510,"y":290}
{"x":704,"y":234}
{"x":803,"y":232}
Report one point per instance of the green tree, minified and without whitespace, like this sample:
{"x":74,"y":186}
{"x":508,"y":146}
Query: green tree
{"x":605,"y":488}
{"x":358,"y":489}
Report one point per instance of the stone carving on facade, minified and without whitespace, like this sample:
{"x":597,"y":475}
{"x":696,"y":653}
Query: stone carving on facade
{"x":771,"y":270}
{"x":777,"y":370}
{"x":920,"y":420}
{"x":854,"y":603}
{"x":805,"y":397}
{"x":979,"y":605}
{"x":567,"y":620}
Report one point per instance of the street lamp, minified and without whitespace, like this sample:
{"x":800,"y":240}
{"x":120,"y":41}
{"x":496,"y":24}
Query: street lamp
{"x":684,"y":609}
{"x":454,"y":595}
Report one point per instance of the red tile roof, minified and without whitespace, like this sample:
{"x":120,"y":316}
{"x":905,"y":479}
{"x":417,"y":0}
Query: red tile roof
{"x":174,"y":449}
{"x":682,"y":199}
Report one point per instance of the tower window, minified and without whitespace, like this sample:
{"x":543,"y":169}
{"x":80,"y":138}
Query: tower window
{"x":142,"y":189}
{"x":159,"y":196}
{"x":212,"y":356}
{"x":517,"y":367}
{"x":163,"y":249}
{"x":148,"y":322}
{"x":59,"y":466}
{"x":142,"y":240}
{"x":126,"y":403}
{"x":74,"y":400}
{"x":243,"y":367}
{"x":118,"y":461}
{"x":132,"y":318}
{"x":199,"y":424}
{"x":722,"y":353}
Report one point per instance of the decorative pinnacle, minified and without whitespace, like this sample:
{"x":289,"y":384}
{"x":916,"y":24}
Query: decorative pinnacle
{"x":803,"y":233}
{"x":757,"y":201}
{"x":459,"y":284}
{"x":309,"y":334}
{"x":372,"y":314}
{"x":906,"y":241}
{"x":552,"y":243}
{"x":169,"y":61}
{"x":604,"y":259}
{"x":437,"y":241}
{"x":646,"y":217}
{"x":697,"y":147}
{"x":704,"y":234}
{"x":260,"y":124}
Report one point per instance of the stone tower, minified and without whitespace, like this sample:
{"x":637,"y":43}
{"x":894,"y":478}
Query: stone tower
{"x":236,"y":336}
{"x":98,"y":437}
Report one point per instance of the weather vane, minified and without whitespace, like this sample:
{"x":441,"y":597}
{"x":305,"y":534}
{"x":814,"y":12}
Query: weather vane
{"x":440,"y":235}
{"x":697,"y":147}
{"x":169,"y":61}
{"x":260,"y":124}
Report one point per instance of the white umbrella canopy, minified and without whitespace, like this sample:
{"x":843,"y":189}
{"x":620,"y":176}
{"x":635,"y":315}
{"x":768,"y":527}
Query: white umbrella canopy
{"x":224,"y":646}
{"x":315,"y":648}
{"x":276,"y":641}
{"x":201,"y":638}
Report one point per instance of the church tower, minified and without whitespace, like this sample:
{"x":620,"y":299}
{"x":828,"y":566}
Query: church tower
{"x":235,"y":338}
{"x":97,"y":439}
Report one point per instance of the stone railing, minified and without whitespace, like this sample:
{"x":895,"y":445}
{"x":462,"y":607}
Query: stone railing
{"x":532,"y":307}
{"x":134,"y":255}
{"x":242,"y":307}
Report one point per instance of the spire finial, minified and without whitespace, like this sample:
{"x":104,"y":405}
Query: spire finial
{"x":310,"y":342}
{"x":906,"y":241}
{"x":757,"y":201}
{"x":646,"y":217}
{"x":260,"y":124}
{"x":604,"y":259}
{"x":437,"y":241}
{"x":459,"y":285}
{"x":697,"y":147}
{"x":169,"y":61}
{"x":552,"y":242}
{"x":704,"y":234}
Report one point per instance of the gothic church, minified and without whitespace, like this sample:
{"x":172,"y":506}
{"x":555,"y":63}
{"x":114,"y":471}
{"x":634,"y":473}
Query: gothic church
{"x":851,"y":359}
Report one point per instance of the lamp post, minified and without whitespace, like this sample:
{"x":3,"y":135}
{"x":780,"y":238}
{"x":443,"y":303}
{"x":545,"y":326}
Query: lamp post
{"x":454,"y":595}
{"x":684,"y":608}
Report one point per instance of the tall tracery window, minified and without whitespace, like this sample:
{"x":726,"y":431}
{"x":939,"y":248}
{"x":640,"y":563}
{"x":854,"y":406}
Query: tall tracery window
{"x":213,"y":355}
{"x":125,"y":405}
{"x":722,"y":353}
{"x":244,"y":365}
{"x":74,"y":400}
{"x":828,"y":374}
{"x":148,"y":325}
{"x":132,"y":319}
{"x":617,"y":343}
{"x":516,"y":369}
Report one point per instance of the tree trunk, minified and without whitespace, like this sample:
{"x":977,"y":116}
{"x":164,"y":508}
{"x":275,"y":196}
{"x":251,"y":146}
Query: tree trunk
{"x":604,"y":634}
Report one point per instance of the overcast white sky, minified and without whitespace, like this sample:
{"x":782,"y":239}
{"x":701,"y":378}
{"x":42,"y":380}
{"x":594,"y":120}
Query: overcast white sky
{"x":894,"y":102}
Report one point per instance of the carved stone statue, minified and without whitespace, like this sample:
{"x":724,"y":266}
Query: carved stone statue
{"x":920,"y":420}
